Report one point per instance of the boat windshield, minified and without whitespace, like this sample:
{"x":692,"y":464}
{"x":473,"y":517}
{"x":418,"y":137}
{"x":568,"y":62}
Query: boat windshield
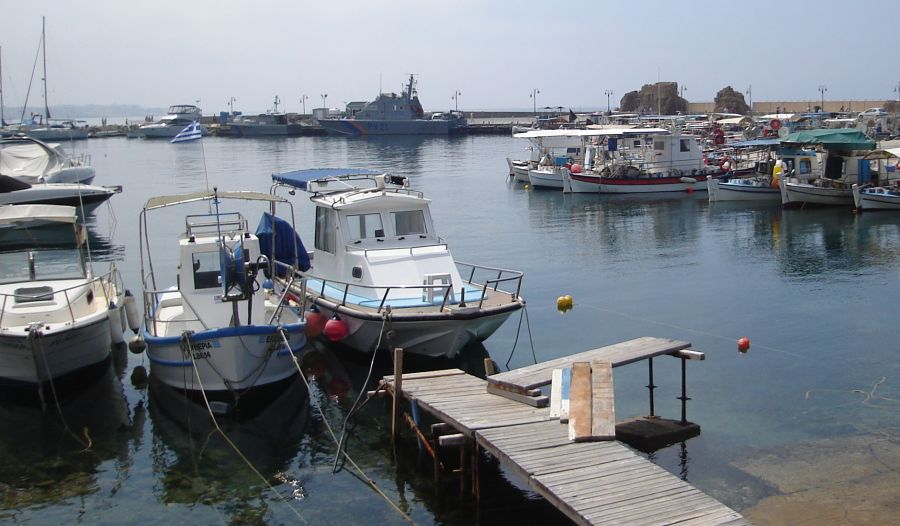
{"x":409,"y":222}
{"x":31,"y":265}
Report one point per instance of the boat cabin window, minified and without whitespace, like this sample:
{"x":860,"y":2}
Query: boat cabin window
{"x":365,"y":226}
{"x":409,"y":222}
{"x":325,"y":232}
{"x":659,"y":145}
{"x":206,"y":270}
{"x":685,"y":145}
{"x":40,"y":264}
{"x":805,"y":166}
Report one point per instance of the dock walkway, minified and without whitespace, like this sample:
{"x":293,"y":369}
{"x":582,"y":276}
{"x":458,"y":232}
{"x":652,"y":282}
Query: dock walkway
{"x":590,"y":482}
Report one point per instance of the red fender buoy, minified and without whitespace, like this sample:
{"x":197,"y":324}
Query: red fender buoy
{"x":335,"y":329}
{"x":743,"y":344}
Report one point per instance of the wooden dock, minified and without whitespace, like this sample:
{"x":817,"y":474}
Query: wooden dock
{"x":589,"y":482}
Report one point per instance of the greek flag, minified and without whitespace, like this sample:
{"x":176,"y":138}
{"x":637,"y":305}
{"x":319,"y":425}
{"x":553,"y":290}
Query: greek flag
{"x":190,"y":133}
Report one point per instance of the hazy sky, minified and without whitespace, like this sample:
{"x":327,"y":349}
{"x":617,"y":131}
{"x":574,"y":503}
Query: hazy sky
{"x":162,"y":52}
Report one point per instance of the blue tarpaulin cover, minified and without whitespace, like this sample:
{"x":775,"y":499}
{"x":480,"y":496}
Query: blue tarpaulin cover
{"x":285,"y":237}
{"x":299,"y":178}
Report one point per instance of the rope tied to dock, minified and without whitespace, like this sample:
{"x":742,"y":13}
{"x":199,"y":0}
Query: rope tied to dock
{"x":362,"y":474}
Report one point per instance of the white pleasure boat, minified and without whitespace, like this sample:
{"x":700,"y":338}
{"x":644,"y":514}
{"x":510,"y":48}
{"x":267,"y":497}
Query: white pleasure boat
{"x":57,"y":318}
{"x":34,"y":161}
{"x":84,"y":197}
{"x":222,"y":328}
{"x":385,"y":278}
{"x":176,"y":119}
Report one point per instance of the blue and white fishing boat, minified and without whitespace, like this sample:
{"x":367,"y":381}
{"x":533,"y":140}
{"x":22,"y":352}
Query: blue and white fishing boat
{"x":882,"y":189}
{"x":382,"y":274}
{"x":222,"y":328}
{"x":393,"y":114}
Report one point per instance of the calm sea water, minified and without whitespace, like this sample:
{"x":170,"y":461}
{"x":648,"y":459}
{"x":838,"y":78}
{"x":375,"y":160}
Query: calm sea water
{"x":816,"y":291}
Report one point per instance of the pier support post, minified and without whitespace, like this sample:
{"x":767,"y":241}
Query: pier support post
{"x":651,"y":387}
{"x":684,"y":397}
{"x":398,"y":394}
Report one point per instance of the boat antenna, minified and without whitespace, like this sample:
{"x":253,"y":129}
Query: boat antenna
{"x":44,"y":52}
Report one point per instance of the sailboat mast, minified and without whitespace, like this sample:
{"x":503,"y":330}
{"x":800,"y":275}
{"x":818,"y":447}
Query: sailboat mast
{"x":2,"y":116}
{"x":44,"y":48}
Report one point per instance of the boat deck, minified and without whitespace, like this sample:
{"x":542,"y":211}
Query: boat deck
{"x":590,"y":482}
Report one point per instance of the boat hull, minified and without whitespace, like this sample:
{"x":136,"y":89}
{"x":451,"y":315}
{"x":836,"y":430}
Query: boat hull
{"x":736,"y":191}
{"x":58,"y":134}
{"x":226,"y":360}
{"x":87,"y":198}
{"x":376,"y":127}
{"x":433,"y":335}
{"x":545,"y":178}
{"x":588,"y":183}
{"x":864,"y":200}
{"x":266,"y":130}
{"x":27,"y":363}
{"x":801,"y":194}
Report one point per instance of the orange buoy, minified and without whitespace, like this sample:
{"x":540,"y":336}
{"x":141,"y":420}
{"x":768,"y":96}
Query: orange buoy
{"x":576,"y":168}
{"x":315,"y":322}
{"x":335,"y":329}
{"x":743,"y":344}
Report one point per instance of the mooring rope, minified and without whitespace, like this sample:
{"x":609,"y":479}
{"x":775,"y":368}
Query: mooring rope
{"x":34,"y":339}
{"x":232,"y":444}
{"x":365,"y":477}
{"x":518,"y":331}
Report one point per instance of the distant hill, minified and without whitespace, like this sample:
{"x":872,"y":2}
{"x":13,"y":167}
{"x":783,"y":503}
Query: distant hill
{"x":85,"y":111}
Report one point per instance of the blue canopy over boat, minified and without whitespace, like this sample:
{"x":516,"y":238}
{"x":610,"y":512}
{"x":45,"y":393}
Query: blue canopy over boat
{"x":288,"y":246}
{"x":300,"y":178}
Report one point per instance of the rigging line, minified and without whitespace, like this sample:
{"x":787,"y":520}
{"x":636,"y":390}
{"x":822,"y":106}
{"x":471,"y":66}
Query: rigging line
{"x":696,"y":331}
{"x":30,"y":81}
{"x":353,"y":408}
{"x":232,"y":444}
{"x":353,"y":463}
{"x":516,"y":341}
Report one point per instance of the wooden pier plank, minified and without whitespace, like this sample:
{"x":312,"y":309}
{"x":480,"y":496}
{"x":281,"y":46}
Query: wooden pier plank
{"x":603,"y":408}
{"x":580,"y":402}
{"x":623,"y":353}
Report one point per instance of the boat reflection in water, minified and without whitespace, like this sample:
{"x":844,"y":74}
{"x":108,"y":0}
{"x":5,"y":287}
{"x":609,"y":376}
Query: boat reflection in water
{"x":52,"y":456}
{"x":197,"y":465}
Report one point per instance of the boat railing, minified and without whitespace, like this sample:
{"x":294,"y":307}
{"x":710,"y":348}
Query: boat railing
{"x":216,"y":224}
{"x":331,"y":288}
{"x":106,"y":280}
{"x":81,"y":159}
{"x":152,"y":299}
{"x":394,"y":190}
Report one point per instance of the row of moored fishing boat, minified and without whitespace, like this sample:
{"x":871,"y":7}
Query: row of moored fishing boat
{"x":244,"y":302}
{"x":823,"y":167}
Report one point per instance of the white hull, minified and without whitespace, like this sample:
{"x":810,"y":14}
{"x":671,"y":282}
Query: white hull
{"x":57,"y":134}
{"x":518,"y":169}
{"x":545,"y":178}
{"x":226,"y":362}
{"x":87,"y":197}
{"x":798,"y":194}
{"x":741,"y":191}
{"x":439,"y":336}
{"x":874,"y":200}
{"x":56,"y":353}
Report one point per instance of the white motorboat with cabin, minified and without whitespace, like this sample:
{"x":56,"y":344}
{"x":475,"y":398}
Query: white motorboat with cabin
{"x":385,"y":278}
{"x":84,"y":197}
{"x":218,"y":329}
{"x":57,"y":318}
{"x":34,"y":161}
{"x":545,"y":149}
{"x":823,"y":177}
{"x":882,"y":190}
{"x":176,"y":119}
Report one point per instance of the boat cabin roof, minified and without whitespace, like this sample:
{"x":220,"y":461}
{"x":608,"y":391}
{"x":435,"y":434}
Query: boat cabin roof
{"x":532,"y":134}
{"x":171,"y":200}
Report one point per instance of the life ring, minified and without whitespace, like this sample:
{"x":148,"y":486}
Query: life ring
{"x":730,"y":164}
{"x":775,"y":124}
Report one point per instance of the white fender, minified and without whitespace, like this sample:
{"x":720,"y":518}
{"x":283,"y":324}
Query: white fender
{"x":131,"y":314}
{"x":114,"y":314}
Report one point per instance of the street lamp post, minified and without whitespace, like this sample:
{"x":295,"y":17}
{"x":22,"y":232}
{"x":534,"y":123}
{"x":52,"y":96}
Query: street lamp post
{"x":750,"y":97}
{"x":534,"y":94}
{"x":608,"y":93}
{"x":303,"y":101}
{"x":822,"y":89}
{"x":455,"y":98}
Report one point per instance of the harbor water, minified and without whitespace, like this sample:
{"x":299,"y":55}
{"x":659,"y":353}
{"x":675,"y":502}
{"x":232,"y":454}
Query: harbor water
{"x":805,"y":423}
